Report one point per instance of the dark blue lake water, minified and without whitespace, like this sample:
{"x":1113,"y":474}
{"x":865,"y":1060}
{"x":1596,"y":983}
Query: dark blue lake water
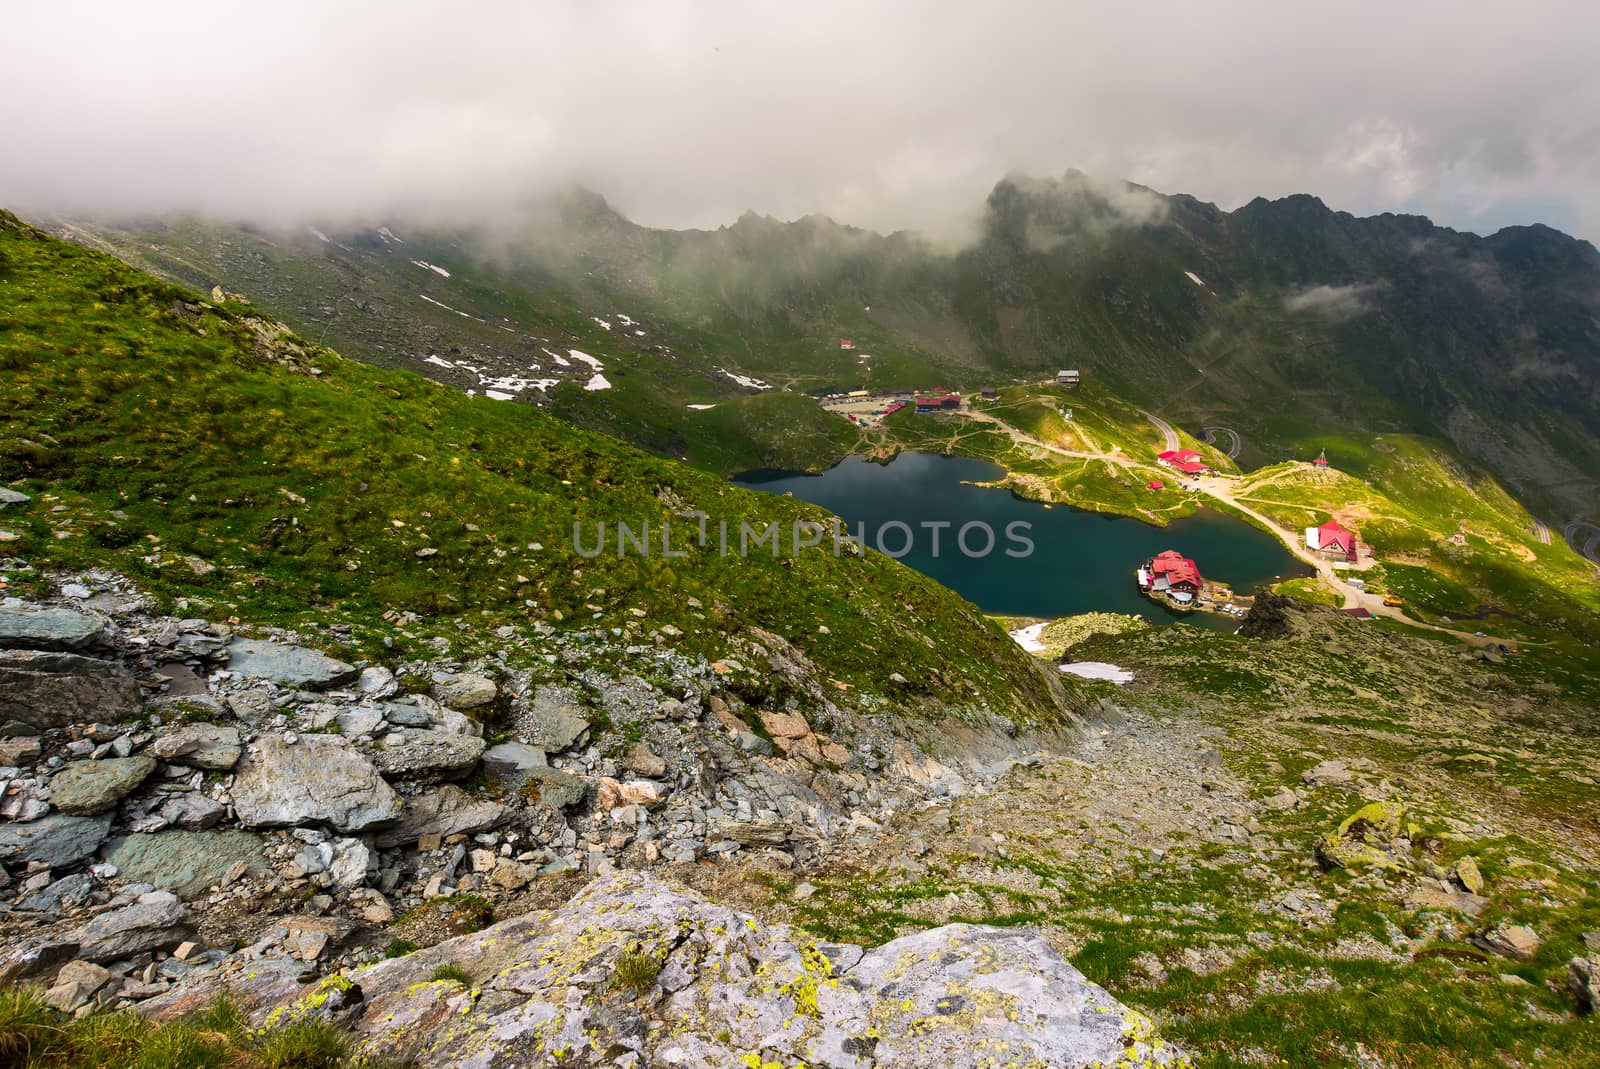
{"x":1080,"y":561}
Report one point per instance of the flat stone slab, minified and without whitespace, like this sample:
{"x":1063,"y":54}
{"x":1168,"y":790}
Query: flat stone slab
{"x":157,"y":921}
{"x":49,"y":629}
{"x":210,"y":746}
{"x":55,"y":690}
{"x":84,"y":788}
{"x":187,"y":863}
{"x":446,"y":811}
{"x":9,"y":496}
{"x":315,"y":779}
{"x":293,"y":665}
{"x":56,"y":840}
{"x":409,"y":751}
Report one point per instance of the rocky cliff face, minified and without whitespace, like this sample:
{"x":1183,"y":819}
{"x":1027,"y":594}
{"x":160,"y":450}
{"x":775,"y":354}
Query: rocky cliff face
{"x":638,"y":972}
{"x":173,"y":791}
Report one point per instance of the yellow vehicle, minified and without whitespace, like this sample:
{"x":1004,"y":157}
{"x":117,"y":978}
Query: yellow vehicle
{"x":1394,"y":602}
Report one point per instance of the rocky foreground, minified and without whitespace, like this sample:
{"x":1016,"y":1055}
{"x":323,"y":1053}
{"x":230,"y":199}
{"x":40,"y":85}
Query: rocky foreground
{"x":637,"y":972}
{"x":185,"y":810}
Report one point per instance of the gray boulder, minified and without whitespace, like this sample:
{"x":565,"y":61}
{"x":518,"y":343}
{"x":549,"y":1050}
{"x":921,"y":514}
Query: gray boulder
{"x":554,"y":788}
{"x":1583,"y":979}
{"x":554,"y":720}
{"x":157,"y":921}
{"x":192,"y":811}
{"x":65,"y":893}
{"x":512,"y":761}
{"x":84,"y":788}
{"x":295,"y":666}
{"x":377,"y":682}
{"x":56,"y":690}
{"x":731,"y":991}
{"x":9,"y":496}
{"x":187,"y":863}
{"x":49,"y":629}
{"x":210,"y":746}
{"x":464,"y":690}
{"x":446,"y":811}
{"x":410,"y":752}
{"x":57,"y":840}
{"x":316,"y":779}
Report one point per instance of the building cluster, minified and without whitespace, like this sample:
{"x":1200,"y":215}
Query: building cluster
{"x":1186,"y":461}
{"x":1171,"y":575}
{"x":1333,"y":542}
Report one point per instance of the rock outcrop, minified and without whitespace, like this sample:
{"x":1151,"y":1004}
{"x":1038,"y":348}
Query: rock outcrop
{"x":55,"y":690}
{"x":56,"y":628}
{"x":639,"y":972}
{"x":282,"y":781}
{"x":287,"y":664}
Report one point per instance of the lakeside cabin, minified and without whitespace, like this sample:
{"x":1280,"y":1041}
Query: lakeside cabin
{"x":939,"y":403}
{"x":1171,"y":575}
{"x":1332,"y":541}
{"x":1069,"y":379}
{"x":1187,"y":461}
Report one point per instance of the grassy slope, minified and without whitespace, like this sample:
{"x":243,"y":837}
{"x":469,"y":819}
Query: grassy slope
{"x":1430,"y":720}
{"x":161,"y":427}
{"x":366,"y":297}
{"x":715,"y":299}
{"x":1406,"y":496}
{"x":1489,"y":342}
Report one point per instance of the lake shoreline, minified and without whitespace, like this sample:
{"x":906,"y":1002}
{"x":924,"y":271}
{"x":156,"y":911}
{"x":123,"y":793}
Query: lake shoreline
{"x":1079,"y":560}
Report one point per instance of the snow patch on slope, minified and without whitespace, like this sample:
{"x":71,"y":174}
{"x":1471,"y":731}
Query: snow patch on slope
{"x":746,"y":380}
{"x":1098,"y":670}
{"x":446,"y":307}
{"x":1028,"y":637}
{"x":435,"y":268}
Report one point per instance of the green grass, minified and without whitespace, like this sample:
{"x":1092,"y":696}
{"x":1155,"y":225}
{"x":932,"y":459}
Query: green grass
{"x":636,"y":971}
{"x":452,"y":974}
{"x":35,"y":1036}
{"x":163,"y":435}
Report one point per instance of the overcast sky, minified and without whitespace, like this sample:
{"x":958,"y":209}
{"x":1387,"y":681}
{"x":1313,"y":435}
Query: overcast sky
{"x":886,"y":115}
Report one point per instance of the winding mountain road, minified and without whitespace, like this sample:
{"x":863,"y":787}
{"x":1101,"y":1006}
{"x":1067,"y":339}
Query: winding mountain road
{"x":1588,"y":548}
{"x":1235,"y":443}
{"x":1168,"y":435}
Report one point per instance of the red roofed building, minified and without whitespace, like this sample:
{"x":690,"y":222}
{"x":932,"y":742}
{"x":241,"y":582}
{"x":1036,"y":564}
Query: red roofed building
{"x":846,"y":343}
{"x":1322,"y":459}
{"x":1171,"y":573}
{"x":1184,"y":460}
{"x":934,"y":404}
{"x":1156,"y":484}
{"x":1333,"y":541}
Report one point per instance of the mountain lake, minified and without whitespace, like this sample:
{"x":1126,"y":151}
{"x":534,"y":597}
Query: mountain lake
{"x":1080,"y":561}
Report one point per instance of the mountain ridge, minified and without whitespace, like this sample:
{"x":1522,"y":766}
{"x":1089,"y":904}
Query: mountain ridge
{"x":1282,"y":318}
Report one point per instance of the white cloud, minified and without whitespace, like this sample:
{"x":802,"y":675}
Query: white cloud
{"x":901,"y":113}
{"x":1332,"y":302}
